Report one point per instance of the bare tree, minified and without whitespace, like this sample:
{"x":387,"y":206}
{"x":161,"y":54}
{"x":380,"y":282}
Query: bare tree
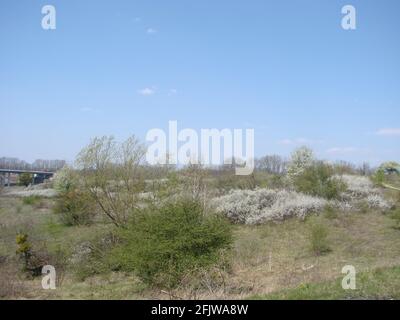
{"x":365,"y":169}
{"x":194,"y":182}
{"x":272,"y":164}
{"x":110,"y":173}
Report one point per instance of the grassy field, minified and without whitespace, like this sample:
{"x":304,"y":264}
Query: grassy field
{"x":382,"y":283}
{"x":271,"y":261}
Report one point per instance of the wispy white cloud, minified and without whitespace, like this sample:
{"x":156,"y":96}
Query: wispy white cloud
{"x":388,"y":132}
{"x":172,"y":92}
{"x":151,"y":31}
{"x":341,"y":150}
{"x":147,"y":91}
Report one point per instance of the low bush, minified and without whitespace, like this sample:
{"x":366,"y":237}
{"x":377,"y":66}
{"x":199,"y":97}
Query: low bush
{"x":378,"y":202}
{"x":357,"y":186}
{"x":31,"y":200}
{"x":33,"y":256}
{"x":330,"y":212}
{"x":378,"y":177}
{"x":90,"y":258}
{"x":395,"y":215}
{"x":164,"y":244}
{"x":319,"y":239}
{"x":361,"y":195}
{"x":75,"y":208}
{"x":25,"y":179}
{"x":318,"y":180}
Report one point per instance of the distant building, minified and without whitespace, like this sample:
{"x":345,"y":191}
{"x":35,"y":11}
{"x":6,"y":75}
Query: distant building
{"x":391,"y":170}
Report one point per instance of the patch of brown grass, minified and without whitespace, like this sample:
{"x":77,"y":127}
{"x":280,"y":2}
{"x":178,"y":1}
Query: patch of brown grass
{"x":11,"y":285}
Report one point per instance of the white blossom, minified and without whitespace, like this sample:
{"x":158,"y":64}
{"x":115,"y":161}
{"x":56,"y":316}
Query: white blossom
{"x":261,"y":205}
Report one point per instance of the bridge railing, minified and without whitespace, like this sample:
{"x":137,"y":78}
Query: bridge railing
{"x":30,"y":168}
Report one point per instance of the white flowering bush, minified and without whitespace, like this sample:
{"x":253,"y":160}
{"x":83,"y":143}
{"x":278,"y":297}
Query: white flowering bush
{"x":261,"y":205}
{"x":300,"y":159}
{"x":342,"y":205}
{"x":360,"y":189}
{"x":376,"y":201}
{"x":358,"y":186}
{"x":65,"y":179}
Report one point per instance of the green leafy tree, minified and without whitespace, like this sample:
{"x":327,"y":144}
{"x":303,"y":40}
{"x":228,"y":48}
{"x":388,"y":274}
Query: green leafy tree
{"x":25,"y":179}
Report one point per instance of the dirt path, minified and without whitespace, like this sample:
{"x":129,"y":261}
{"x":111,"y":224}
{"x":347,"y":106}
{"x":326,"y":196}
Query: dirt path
{"x":390,"y":187}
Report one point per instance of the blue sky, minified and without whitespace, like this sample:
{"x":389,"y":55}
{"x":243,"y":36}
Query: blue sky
{"x":285,"y":68}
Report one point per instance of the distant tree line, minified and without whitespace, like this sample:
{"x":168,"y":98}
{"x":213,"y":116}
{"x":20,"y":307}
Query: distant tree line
{"x":39,"y":165}
{"x":273,"y":164}
{"x":276,"y":164}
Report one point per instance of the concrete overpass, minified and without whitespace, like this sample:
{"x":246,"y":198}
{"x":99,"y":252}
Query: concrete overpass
{"x":38,"y":176}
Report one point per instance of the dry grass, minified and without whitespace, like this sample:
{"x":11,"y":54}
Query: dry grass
{"x":266,"y":258}
{"x":366,"y":241}
{"x":11,"y":285}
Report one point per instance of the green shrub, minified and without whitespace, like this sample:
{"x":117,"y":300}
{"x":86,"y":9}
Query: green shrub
{"x":91,"y":257}
{"x":25,"y":179}
{"x":330,"y":212}
{"x":31,"y":200}
{"x":162,"y":245}
{"x":378,"y":177}
{"x":35,"y":256}
{"x":317,"y":180}
{"x":319,"y":239}
{"x":32,"y":263}
{"x":396,"y":217}
{"x":75,"y":208}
